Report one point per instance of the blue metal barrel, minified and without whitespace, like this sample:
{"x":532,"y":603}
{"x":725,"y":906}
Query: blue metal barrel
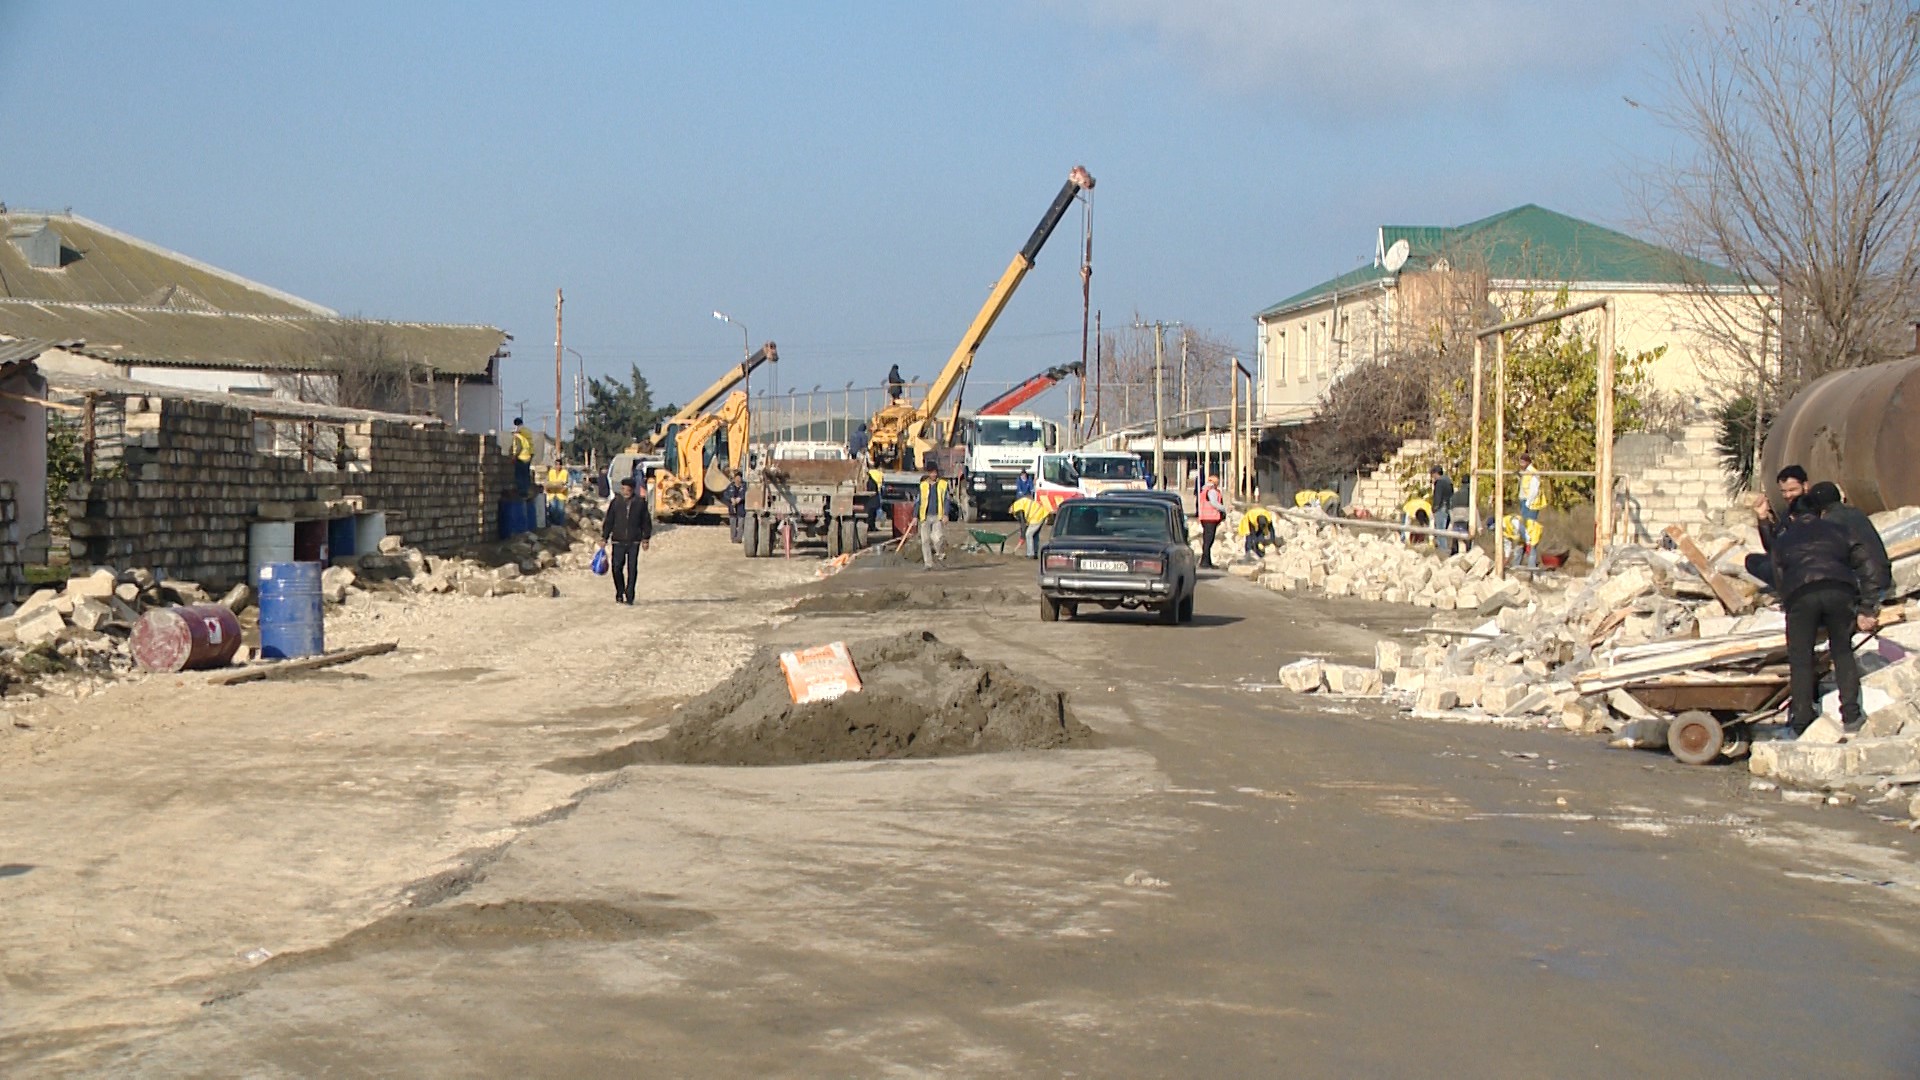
{"x":516,"y":516}
{"x":291,"y":623}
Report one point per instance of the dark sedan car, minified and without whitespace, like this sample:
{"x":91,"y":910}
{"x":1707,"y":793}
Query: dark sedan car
{"x":1118,"y":551}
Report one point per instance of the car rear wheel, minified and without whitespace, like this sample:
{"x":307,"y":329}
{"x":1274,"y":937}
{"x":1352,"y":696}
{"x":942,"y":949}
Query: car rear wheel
{"x":1049,"y":609}
{"x":1186,"y":608}
{"x":1170,"y":613}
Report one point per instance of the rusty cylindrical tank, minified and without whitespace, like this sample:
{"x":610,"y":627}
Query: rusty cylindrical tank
{"x":178,"y":638}
{"x":1858,"y":428}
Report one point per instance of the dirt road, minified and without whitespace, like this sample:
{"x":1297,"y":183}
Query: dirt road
{"x":1231,"y":882}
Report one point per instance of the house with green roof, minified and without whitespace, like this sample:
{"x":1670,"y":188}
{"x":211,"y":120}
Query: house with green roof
{"x":1423,"y":277}
{"x":121,"y":306}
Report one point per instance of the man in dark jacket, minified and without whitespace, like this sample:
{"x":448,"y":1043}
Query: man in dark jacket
{"x":629,"y":525}
{"x":1442,"y":504}
{"x":1792,"y":483}
{"x":1827,"y":497}
{"x":734,"y":495}
{"x":1826,"y":580}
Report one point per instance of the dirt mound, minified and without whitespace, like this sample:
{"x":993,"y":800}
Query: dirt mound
{"x":922,"y":698}
{"x":895,"y":597}
{"x":887,"y":556}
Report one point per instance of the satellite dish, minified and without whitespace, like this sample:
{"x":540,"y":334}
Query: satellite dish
{"x":1397,"y":256}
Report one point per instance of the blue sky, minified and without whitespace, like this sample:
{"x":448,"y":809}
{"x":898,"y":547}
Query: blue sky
{"x":847,"y":179}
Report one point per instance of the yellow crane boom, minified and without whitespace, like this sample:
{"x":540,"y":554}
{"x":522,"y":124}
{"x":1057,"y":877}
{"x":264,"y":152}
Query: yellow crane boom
{"x":705,"y":399}
{"x":902,"y":425}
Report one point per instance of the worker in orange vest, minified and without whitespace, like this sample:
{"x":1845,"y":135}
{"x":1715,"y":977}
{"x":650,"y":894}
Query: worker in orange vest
{"x":1213,"y":509}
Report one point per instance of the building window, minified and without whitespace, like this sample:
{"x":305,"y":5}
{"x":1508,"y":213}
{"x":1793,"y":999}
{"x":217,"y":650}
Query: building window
{"x":1280,"y":350}
{"x":1346,"y":337}
{"x":1320,"y":356}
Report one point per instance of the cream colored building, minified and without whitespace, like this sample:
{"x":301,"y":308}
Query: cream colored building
{"x":1425,"y":278}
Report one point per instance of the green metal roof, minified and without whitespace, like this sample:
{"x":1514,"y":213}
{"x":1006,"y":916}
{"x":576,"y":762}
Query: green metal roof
{"x":219,"y":339}
{"x":1352,"y":279}
{"x":98,"y":265}
{"x":1528,"y":243}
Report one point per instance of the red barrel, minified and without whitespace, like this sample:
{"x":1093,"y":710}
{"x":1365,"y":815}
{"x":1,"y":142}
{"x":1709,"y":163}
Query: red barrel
{"x":902,"y":517}
{"x":179,"y":638}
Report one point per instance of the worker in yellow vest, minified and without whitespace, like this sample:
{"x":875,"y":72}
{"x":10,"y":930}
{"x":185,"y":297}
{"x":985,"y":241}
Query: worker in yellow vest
{"x":558,"y":481}
{"x":1031,"y":513}
{"x":1256,"y":528}
{"x":930,"y":512}
{"x":522,"y":451}
{"x":1523,"y":535}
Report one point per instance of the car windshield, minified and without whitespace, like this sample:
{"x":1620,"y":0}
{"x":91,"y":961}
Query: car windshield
{"x":1114,"y":468}
{"x":1009,"y":433}
{"x":1141,"y":521}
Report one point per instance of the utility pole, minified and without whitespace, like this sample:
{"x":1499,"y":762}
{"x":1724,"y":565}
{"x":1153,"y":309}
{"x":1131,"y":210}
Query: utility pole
{"x":1159,"y":404}
{"x":1184,"y":406}
{"x":558,"y":301}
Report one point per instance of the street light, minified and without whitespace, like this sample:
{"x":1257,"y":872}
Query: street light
{"x":746,"y":353}
{"x":580,"y":387}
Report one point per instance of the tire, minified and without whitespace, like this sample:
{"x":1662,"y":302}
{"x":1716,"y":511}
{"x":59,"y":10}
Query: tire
{"x":969,"y":510}
{"x":836,"y":540}
{"x":1170,"y":613}
{"x":1695,"y":738}
{"x":1185,"y":608}
{"x":1049,"y":609}
{"x":750,"y":536}
{"x":769,"y":538}
{"x":850,"y":538}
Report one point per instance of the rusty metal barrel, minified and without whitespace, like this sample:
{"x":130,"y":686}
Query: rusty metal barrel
{"x":1858,"y":428}
{"x":190,"y":637}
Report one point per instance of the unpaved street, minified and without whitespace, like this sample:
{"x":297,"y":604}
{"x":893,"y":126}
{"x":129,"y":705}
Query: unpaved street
{"x":1230,"y":882}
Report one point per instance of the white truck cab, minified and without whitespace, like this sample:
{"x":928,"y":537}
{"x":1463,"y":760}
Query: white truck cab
{"x":997,"y":448}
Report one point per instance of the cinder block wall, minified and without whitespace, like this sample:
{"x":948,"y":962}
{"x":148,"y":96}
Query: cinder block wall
{"x":13,"y":572}
{"x":194,"y":484}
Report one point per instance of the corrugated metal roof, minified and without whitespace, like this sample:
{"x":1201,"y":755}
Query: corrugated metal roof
{"x":267,"y":342}
{"x":1528,"y":243}
{"x":12,"y":351}
{"x":102,"y":266}
{"x":264,"y":407}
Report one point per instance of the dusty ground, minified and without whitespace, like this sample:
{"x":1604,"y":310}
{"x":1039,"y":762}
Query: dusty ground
{"x":1234,"y":883}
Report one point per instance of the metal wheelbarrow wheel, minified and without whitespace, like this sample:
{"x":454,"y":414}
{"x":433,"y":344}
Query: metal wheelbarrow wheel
{"x":1695,"y":737}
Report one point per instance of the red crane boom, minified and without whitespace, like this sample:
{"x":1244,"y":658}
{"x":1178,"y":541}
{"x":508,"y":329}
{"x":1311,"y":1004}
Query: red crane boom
{"x":1030,"y":389}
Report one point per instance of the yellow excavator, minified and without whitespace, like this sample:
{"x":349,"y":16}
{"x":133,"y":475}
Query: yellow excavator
{"x":699,"y":455}
{"x":906,"y":434}
{"x":691,"y":451}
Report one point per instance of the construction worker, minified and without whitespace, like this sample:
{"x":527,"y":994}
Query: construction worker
{"x":1441,"y":503}
{"x":1256,"y":528}
{"x":522,"y":458}
{"x":1031,"y":513}
{"x":558,"y":481}
{"x":1827,"y":580}
{"x":1533,"y":491}
{"x":930,"y":512}
{"x":1213,"y":509}
{"x":1523,"y":540}
{"x":857,"y":442}
{"x":735,"y":496}
{"x":896,"y":386}
{"x":629,"y":526}
{"x":1023,"y":487}
{"x":1791,"y":482}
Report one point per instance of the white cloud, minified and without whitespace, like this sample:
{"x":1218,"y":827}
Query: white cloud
{"x":1373,"y":53}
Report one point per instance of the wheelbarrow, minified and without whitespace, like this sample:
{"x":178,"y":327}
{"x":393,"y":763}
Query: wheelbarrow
{"x":987,"y":538}
{"x":1712,"y":713}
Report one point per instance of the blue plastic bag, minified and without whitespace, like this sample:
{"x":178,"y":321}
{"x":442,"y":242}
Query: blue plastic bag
{"x":600,"y":561}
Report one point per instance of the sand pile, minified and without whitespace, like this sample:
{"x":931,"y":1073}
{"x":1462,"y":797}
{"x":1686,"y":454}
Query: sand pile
{"x":922,"y":698}
{"x":896,"y":597}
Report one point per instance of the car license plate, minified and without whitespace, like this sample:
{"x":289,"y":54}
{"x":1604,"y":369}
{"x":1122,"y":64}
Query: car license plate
{"x":1114,"y":565}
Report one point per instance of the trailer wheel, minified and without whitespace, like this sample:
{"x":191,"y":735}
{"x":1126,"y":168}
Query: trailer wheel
{"x":849,"y":534}
{"x":769,"y":534}
{"x":1695,"y":738}
{"x":836,"y":540}
{"x":750,"y":536}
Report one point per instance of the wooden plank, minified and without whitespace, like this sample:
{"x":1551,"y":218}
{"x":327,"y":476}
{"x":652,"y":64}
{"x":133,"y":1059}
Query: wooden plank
{"x":293,"y":667}
{"x":1904,"y":548}
{"x":1722,"y":591}
{"x":1609,"y":624}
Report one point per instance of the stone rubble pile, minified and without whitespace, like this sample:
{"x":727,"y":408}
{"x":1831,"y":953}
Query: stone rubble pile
{"x":1561,"y":651}
{"x":82,"y":629}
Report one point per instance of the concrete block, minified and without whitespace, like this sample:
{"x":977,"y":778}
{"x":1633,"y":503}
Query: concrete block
{"x":1410,"y":680}
{"x":44,"y":624}
{"x":1303,"y":676}
{"x":1799,"y":763}
{"x":1466,"y":690}
{"x":1507,"y":699}
{"x":1436,"y":699}
{"x":97,"y":585}
{"x":1892,"y":720}
{"x":1388,"y":655}
{"x":1883,"y":757}
{"x":1353,"y":681}
{"x":91,"y":614}
{"x":41,"y":598}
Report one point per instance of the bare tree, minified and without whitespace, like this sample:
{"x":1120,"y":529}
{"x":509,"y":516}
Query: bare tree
{"x":1803,"y":182}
